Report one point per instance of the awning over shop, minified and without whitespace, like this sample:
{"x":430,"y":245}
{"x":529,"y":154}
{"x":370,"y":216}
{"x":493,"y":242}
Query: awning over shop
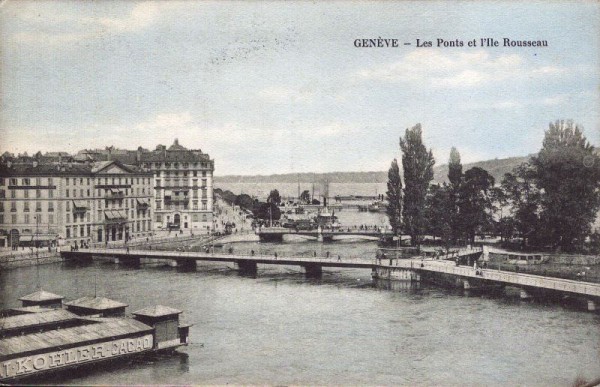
{"x":143,"y":202}
{"x":80,"y":204}
{"x":115,"y":215}
{"x":38,"y":237}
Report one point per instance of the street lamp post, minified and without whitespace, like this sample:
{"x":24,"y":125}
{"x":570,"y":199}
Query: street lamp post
{"x":37,"y":224}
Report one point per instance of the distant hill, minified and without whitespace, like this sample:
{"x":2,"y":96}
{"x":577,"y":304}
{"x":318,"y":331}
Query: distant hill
{"x":496,"y":167}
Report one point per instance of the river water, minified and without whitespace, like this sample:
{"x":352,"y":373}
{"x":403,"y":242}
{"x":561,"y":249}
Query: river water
{"x":281,"y":328}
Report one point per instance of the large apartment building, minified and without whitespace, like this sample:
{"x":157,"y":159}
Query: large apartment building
{"x":182,"y":187}
{"x":104,"y":195}
{"x":73,"y":203}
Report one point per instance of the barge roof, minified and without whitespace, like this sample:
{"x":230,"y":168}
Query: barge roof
{"x":103,"y":329}
{"x":41,"y":295}
{"x":50,"y":316}
{"x":96,"y":303}
{"x":157,"y":311}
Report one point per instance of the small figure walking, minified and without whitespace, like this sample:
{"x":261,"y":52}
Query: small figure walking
{"x":339,"y":258}
{"x":275,"y":255}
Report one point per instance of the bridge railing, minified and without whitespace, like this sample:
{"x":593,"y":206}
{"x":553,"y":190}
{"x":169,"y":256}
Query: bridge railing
{"x":515,"y":278}
{"x":236,"y":253}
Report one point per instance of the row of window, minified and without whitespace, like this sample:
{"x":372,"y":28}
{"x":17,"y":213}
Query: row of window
{"x":26,"y":207}
{"x":183,"y":206}
{"x":86,"y":217}
{"x":86,"y":230}
{"x":82,"y":193}
{"x":182,"y":182}
{"x":38,"y":194}
{"x":176,"y":173}
{"x":40,"y":219}
{"x":195,"y":218}
{"x":176,"y":165}
{"x":107,"y":180}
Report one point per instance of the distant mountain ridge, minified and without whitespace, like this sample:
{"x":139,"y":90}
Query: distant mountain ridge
{"x":496,"y":167}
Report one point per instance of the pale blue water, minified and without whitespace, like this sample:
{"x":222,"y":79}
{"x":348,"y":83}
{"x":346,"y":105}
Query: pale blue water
{"x":281,"y":328}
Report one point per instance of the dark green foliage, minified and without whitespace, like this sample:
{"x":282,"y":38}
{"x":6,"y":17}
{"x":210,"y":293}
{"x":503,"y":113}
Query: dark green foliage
{"x":439,"y":219}
{"x":567,"y":173}
{"x":305,"y":197}
{"x":523,"y":196}
{"x":274,"y":197}
{"x":454,"y":169}
{"x":474,"y":202}
{"x":244,"y":201}
{"x":455,"y":177}
{"x":417,"y":164}
{"x":394,"y":197}
{"x":266,"y":211}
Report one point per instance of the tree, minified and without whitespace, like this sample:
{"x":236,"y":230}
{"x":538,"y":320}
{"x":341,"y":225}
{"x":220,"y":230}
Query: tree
{"x":244,"y":201}
{"x":228,"y":197}
{"x":455,"y":174}
{"x":305,"y":197}
{"x":523,"y":196}
{"x":567,"y":173}
{"x":417,"y":164}
{"x":455,"y":177}
{"x":474,"y":201}
{"x":266,"y":211}
{"x":274,"y":197}
{"x":439,"y":219}
{"x":394,"y":197}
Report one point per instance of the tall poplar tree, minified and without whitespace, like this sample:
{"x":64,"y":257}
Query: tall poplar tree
{"x":455,"y":176}
{"x":394,"y":197}
{"x":417,"y":164}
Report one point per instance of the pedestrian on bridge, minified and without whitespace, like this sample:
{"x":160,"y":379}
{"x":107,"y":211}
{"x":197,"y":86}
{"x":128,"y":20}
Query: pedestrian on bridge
{"x":275,"y":255}
{"x":339,"y":258}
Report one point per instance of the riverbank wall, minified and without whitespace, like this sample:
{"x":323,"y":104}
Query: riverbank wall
{"x":11,"y":261}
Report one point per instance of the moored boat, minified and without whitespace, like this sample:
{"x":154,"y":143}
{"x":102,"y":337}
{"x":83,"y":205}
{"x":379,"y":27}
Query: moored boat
{"x":42,"y":337}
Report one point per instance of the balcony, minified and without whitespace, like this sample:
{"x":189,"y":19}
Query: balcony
{"x":79,"y":207}
{"x":114,"y":194}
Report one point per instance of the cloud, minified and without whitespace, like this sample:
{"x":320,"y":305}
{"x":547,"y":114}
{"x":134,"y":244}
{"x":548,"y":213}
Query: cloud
{"x":281,"y":95}
{"x":58,"y":24}
{"x":455,"y":70}
{"x":141,"y":16}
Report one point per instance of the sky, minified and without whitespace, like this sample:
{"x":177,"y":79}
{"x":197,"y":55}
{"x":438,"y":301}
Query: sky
{"x":279,"y":87}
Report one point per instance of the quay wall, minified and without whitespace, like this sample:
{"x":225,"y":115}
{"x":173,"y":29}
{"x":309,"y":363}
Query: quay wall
{"x":10,"y":261}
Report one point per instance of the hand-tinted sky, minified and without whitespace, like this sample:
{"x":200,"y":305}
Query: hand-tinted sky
{"x":267,"y":87}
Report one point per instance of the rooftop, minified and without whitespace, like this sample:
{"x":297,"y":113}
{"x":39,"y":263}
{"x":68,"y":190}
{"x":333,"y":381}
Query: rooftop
{"x":102,"y":329}
{"x":96,"y":303}
{"x":49,"y":316}
{"x":41,"y":295}
{"x":156,"y":311}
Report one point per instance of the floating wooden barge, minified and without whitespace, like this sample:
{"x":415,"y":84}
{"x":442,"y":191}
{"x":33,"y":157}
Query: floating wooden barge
{"x":43,"y":336}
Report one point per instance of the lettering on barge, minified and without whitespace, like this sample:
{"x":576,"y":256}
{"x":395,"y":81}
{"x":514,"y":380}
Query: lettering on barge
{"x":68,"y":357}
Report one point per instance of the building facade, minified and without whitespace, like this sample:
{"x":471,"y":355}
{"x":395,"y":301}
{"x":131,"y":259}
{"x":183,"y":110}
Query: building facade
{"x":72,"y":203}
{"x":183,"y":187}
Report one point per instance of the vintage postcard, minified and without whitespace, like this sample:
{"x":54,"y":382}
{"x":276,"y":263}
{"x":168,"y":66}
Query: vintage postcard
{"x":300,"y":193}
